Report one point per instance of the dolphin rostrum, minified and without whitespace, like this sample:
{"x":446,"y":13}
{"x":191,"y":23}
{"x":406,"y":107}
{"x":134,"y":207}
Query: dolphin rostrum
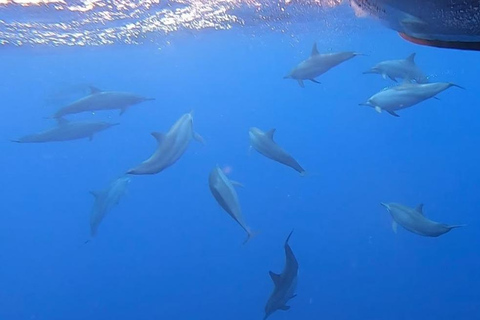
{"x":405,"y":96}
{"x":285,"y":283}
{"x":415,"y":221}
{"x":105,"y":200}
{"x":101,"y":100}
{"x":171,"y":146}
{"x":224,"y":192}
{"x":66,"y":130}
{"x":263,"y":142}
{"x":317,"y":64}
{"x":405,"y":69}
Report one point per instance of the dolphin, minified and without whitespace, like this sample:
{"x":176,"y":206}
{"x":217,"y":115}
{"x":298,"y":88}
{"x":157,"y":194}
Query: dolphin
{"x":101,"y":100}
{"x":171,"y":146}
{"x":105,"y":200}
{"x":438,"y":23}
{"x":403,"y":69}
{"x":405,"y":96}
{"x":264,"y":144}
{"x":224,"y":192}
{"x":415,"y":221}
{"x":285,"y":283}
{"x":66,"y":130}
{"x":317,"y":64}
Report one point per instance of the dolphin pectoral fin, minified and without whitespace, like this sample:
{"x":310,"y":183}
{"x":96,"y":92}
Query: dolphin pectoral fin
{"x":96,"y":194}
{"x":61,"y":121}
{"x":300,"y":82}
{"x":122,"y":111}
{"x":276,"y":278}
{"x":293,"y":296}
{"x":437,"y":98}
{"x":237,"y":184}
{"x":392,"y":78}
{"x":158,"y":136}
{"x":384,"y":76}
{"x":394,"y":226}
{"x":199,"y":138}
{"x":315,"y":81}
{"x":393,"y":113}
{"x":378,"y":109}
{"x":285,"y":308}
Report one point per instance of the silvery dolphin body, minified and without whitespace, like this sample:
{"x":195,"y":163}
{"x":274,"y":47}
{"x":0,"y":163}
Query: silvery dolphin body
{"x":317,"y":64}
{"x":415,"y":221}
{"x":66,"y":130}
{"x":285,"y":283}
{"x":224,"y":192}
{"x":405,"y":96}
{"x":438,"y":23}
{"x":105,"y":200}
{"x":263,"y":142}
{"x":405,"y":69}
{"x":102,"y":100}
{"x":171,"y":146}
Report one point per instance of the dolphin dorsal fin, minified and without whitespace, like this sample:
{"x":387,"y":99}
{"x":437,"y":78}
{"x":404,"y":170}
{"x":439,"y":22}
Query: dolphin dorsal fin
{"x":276,"y":278}
{"x":315,"y":50}
{"x":270,"y":133}
{"x":411,"y":58}
{"x":158,"y":136}
{"x":96,"y":194}
{"x":61,"y":121}
{"x":419,"y":209}
{"x":94,"y":90}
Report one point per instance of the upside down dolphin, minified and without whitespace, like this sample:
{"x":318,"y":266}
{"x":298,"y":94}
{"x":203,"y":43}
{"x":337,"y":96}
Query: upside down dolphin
{"x":263,"y":142}
{"x":414,"y":220}
{"x":285,"y":283}
{"x":405,"y":96}
{"x":224,"y":192}
{"x":405,"y":69}
{"x":170,"y":146}
{"x":67,"y":130}
{"x":102,"y":100}
{"x":105,"y":200}
{"x":317,"y":64}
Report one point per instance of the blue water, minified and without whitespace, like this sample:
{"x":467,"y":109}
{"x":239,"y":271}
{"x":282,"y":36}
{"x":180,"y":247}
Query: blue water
{"x":168,"y":251}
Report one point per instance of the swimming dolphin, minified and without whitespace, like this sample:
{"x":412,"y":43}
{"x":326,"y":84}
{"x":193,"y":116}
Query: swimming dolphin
{"x":285,"y":283}
{"x":66,"y":130}
{"x":105,"y":200}
{"x":438,"y":23}
{"x":101,"y":100}
{"x":264,"y":144}
{"x":317,"y":64}
{"x":171,"y":146}
{"x":403,"y":69}
{"x":224,"y":192}
{"x":405,"y":96}
{"x":414,"y":220}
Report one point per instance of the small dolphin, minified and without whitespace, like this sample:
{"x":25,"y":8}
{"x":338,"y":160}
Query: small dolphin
{"x":405,"y":96}
{"x":285,"y":283}
{"x":171,"y":146}
{"x":414,"y":220}
{"x":105,"y":200}
{"x":264,"y":144}
{"x":66,"y":130}
{"x":224,"y":192}
{"x":102,"y":100}
{"x":403,"y":69}
{"x":317,"y":64}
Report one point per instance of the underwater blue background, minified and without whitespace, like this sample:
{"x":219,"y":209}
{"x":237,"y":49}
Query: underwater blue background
{"x":169,"y":251}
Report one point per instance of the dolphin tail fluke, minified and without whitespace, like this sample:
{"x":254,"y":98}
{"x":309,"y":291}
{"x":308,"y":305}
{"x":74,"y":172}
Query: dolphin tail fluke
{"x":250,"y":235}
{"x":455,"y":226}
{"x":456,"y":85}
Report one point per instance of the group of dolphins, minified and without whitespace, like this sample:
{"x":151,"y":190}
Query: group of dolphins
{"x":172,"y":145}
